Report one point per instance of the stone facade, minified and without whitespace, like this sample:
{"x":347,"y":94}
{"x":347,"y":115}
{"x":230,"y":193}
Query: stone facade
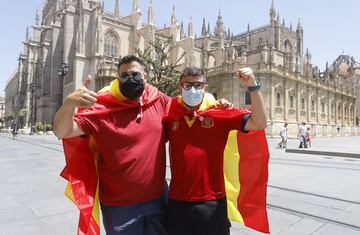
{"x":2,"y":111}
{"x":13,"y":104}
{"x":90,"y":40}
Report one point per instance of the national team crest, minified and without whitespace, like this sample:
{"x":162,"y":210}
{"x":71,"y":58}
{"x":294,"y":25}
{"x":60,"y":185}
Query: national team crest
{"x":175,"y":125}
{"x":208,"y":122}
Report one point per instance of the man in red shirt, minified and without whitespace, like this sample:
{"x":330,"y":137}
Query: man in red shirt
{"x":126,"y":125}
{"x":197,"y":197}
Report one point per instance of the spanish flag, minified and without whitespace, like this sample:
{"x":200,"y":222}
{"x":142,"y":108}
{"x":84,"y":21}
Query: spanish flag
{"x":246,"y":158}
{"x":82,"y":153}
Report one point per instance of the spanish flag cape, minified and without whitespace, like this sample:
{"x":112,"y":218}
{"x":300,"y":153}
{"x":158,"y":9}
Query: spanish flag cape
{"x":246,"y":158}
{"x":81,"y":154}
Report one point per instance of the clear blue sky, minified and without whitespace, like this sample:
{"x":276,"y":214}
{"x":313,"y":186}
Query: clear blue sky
{"x":330,"y":26}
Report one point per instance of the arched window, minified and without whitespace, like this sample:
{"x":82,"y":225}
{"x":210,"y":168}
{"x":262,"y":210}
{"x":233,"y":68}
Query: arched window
{"x":278,"y":99}
{"x":303,"y":103}
{"x":247,"y":98}
{"x":111,"y":44}
{"x":287,"y":46}
{"x":291,"y":101}
{"x":313,"y":105}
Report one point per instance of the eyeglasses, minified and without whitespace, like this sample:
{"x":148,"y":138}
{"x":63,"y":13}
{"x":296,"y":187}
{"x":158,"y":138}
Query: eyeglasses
{"x":126,"y":76}
{"x":196,"y":85}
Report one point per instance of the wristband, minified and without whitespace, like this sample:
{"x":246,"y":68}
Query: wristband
{"x":254,"y":88}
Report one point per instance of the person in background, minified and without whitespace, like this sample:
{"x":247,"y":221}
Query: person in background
{"x":14,"y":130}
{"x":283,"y":136}
{"x":302,"y":135}
{"x":308,"y":139}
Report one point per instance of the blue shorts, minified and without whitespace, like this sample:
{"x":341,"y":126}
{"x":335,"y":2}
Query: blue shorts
{"x":146,"y":218}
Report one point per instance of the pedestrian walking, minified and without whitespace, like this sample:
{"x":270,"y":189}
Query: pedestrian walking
{"x":308,"y":138}
{"x":302,"y":135}
{"x":283,"y":136}
{"x":14,"y":130}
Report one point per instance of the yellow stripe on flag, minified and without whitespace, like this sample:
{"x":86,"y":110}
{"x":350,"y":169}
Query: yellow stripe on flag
{"x":68,"y":192}
{"x":95,"y":149}
{"x":231,"y":169}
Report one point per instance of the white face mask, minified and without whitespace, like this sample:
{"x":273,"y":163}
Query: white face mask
{"x":192,"y":97}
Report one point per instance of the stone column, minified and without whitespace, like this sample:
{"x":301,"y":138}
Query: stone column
{"x":298,"y":102}
{"x":28,"y":92}
{"x":286,"y":97}
{"x":308,"y":103}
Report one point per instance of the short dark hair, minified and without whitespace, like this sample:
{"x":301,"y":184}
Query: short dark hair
{"x":129,"y":59}
{"x":192,"y":72}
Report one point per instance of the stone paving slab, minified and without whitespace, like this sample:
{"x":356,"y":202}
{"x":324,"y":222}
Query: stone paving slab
{"x":304,"y":226}
{"x":323,"y":152}
{"x":331,"y":229}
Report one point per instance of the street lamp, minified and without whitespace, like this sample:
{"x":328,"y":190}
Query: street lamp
{"x":33,"y":110}
{"x":62,"y":71}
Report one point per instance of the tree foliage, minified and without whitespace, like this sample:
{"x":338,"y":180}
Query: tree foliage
{"x":162,"y":73}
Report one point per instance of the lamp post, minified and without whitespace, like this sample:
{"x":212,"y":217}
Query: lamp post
{"x":62,"y":71}
{"x":33,"y":108}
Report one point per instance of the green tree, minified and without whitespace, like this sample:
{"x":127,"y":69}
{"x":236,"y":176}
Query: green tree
{"x":162,"y":73}
{"x":9,"y":116}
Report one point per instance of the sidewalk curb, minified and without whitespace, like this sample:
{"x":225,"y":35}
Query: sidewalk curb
{"x":326,"y":153}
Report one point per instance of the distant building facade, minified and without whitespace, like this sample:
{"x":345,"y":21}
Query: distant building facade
{"x":2,"y":111}
{"x":90,"y":40}
{"x":12,"y":98}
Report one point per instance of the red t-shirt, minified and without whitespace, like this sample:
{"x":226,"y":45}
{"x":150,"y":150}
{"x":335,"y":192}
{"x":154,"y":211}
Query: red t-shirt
{"x":196,"y":156}
{"x":132,"y":152}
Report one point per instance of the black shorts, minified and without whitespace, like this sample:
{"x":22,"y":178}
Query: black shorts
{"x":198,"y":218}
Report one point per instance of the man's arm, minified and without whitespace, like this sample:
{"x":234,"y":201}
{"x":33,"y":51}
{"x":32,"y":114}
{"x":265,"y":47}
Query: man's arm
{"x":257,"y":119}
{"x":64,"y":124}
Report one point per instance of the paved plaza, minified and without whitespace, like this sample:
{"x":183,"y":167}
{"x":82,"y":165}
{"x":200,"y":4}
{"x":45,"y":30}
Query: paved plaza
{"x":307,"y":194}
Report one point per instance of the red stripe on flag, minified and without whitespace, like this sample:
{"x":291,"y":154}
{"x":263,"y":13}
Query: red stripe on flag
{"x":253,"y":174}
{"x":80,"y":171}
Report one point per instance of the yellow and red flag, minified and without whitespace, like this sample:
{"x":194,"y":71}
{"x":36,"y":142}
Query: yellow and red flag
{"x":246,"y":158}
{"x":82,"y":153}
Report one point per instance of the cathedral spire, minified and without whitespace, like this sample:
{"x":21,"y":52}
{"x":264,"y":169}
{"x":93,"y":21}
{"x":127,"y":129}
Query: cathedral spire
{"x":299,"y":25}
{"x":182,"y":33}
{"x":151,"y":19}
{"x":190,"y":28}
{"x":116,"y":10}
{"x":103,"y":5}
{"x":272,"y":13}
{"x":37,"y":17}
{"x":27,"y":34}
{"x":203,"y":28}
{"x":219,"y":29}
{"x":208,"y":29}
{"x":135,"y":6}
{"x":173,"y":17}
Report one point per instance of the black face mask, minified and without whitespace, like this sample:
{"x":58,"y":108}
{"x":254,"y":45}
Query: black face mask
{"x":133,"y":87}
